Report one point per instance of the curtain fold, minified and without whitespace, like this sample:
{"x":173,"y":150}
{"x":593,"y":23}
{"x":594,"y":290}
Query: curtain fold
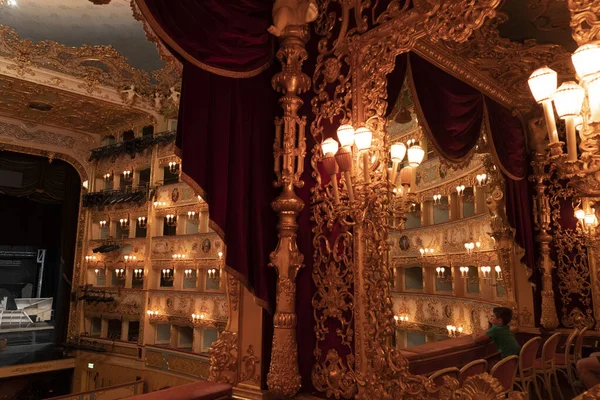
{"x":451,"y":110}
{"x":509,"y":148}
{"x":225,"y":37}
{"x":224,"y":135}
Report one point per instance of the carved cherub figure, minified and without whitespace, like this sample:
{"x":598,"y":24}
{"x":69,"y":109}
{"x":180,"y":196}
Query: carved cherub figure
{"x":129,"y":94}
{"x":292,"y":12}
{"x":174,"y":96}
{"x":158,"y":98}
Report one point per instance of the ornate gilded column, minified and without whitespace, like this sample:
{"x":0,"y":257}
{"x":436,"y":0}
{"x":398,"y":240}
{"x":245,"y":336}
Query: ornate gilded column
{"x":541,"y":219}
{"x":283,"y":379}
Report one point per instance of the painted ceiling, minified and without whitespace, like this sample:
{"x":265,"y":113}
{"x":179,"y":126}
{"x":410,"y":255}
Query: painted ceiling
{"x":81,"y":22}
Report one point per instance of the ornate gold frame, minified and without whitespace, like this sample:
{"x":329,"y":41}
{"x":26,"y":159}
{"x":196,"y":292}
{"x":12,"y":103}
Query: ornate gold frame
{"x":352,"y":272}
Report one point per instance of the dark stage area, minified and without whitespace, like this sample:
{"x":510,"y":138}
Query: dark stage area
{"x":39,"y":205}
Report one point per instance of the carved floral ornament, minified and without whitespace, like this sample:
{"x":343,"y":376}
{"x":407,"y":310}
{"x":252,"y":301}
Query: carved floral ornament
{"x":352,"y":272}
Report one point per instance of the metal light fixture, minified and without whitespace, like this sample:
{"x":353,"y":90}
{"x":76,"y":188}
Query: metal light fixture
{"x":103,"y":224}
{"x":437,"y":199}
{"x":453,"y":331}
{"x":107,"y":177}
{"x":173,"y":167}
{"x":152,"y":313}
{"x":128,"y":258}
{"x":193,"y":216}
{"x":138,"y":273}
{"x":212,"y":273}
{"x":498,"y":270}
{"x":189,"y":274}
{"x":171,"y":219}
{"x":481,"y":179}
{"x":470,"y":246}
{"x":485,"y":272}
{"x":578,"y":104}
{"x":178,"y":256}
{"x":460,"y":190}
{"x":426,"y":251}
{"x":198,"y":317}
{"x":90,"y":258}
{"x":128,"y":175}
{"x":167,"y":275}
{"x":124,"y":223}
{"x":159,"y":204}
{"x":120,"y":273}
{"x":142,"y":223}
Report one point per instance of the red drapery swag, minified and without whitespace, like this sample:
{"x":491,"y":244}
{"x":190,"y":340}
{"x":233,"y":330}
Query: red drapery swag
{"x":452,"y":114}
{"x":225,"y":126}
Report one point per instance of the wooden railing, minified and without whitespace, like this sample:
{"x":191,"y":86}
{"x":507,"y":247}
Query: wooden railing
{"x":114,"y":392}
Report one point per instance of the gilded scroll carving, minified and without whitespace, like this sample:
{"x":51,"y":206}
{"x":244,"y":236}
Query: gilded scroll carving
{"x":223,"y":358}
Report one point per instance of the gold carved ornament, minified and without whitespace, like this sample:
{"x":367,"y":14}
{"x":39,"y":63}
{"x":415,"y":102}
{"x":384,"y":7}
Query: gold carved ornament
{"x":353,"y":275}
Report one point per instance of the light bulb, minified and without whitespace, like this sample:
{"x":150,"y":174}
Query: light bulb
{"x":497,"y":268}
{"x":542,"y":83}
{"x":397,"y":151}
{"x":363,"y":138}
{"x":329,"y":145}
{"x":415,"y":155}
{"x":579,"y":214}
{"x":345,"y":134}
{"x":586,"y":60}
{"x":568,"y":99}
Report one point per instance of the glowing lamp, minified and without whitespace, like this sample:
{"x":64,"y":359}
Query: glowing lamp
{"x":568,"y":99}
{"x":542,"y":83}
{"x":415,"y":155}
{"x":329,"y":146}
{"x":580,"y":214}
{"x":586,"y":60}
{"x":398,"y":151}
{"x":363,"y":138}
{"x":345,"y":134}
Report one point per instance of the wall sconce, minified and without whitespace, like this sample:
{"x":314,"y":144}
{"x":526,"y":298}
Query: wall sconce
{"x":498,"y":270}
{"x":460,"y":190}
{"x":129,"y":258}
{"x":128,"y":175}
{"x":120,"y":273}
{"x":440,"y":272}
{"x":167,"y":275}
{"x":159,"y":204}
{"x":85,"y":184}
{"x":152,"y":313}
{"x":142,"y":222}
{"x":138,"y":273}
{"x":99,"y":272}
{"x":199,"y":198}
{"x":220,"y":254}
{"x":464,"y":272}
{"x":103,"y":224}
{"x":198,"y":317}
{"x":437,"y":199}
{"x":453,"y":331}
{"x":481,"y":179}
{"x":124,"y":223}
{"x":90,"y":258}
{"x":193,"y":216}
{"x":213,"y":273}
{"x":173,"y":167}
{"x":189,"y":274}
{"x":107,"y":177}
{"x":485,"y":272}
{"x":178,"y":257}
{"x":342,"y":158}
{"x":471,"y":246}
{"x":427,"y":251}
{"x":171,"y":220}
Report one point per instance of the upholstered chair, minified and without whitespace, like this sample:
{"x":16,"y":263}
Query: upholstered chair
{"x":506,"y":371}
{"x":527,"y":359}
{"x":438,"y":376}
{"x":545,"y":368}
{"x":472,"y":368}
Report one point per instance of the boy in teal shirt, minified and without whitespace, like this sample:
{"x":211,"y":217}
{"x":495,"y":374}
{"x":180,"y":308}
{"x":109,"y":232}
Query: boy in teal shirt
{"x":500,"y":332}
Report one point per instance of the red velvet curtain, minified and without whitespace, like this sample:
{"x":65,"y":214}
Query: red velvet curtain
{"x":225,"y":129}
{"x":452,"y":111}
{"x":226,"y":37}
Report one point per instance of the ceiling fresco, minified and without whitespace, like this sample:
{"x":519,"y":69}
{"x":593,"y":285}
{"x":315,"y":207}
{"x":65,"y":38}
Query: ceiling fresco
{"x":54,"y":107}
{"x":81,"y":22}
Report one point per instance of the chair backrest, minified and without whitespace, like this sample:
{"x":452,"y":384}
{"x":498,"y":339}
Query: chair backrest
{"x":528,"y":355}
{"x":570,"y":346}
{"x":579,"y":344}
{"x":438,"y":376}
{"x":549,"y":350}
{"x":473,"y":368}
{"x":505,"y":371}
